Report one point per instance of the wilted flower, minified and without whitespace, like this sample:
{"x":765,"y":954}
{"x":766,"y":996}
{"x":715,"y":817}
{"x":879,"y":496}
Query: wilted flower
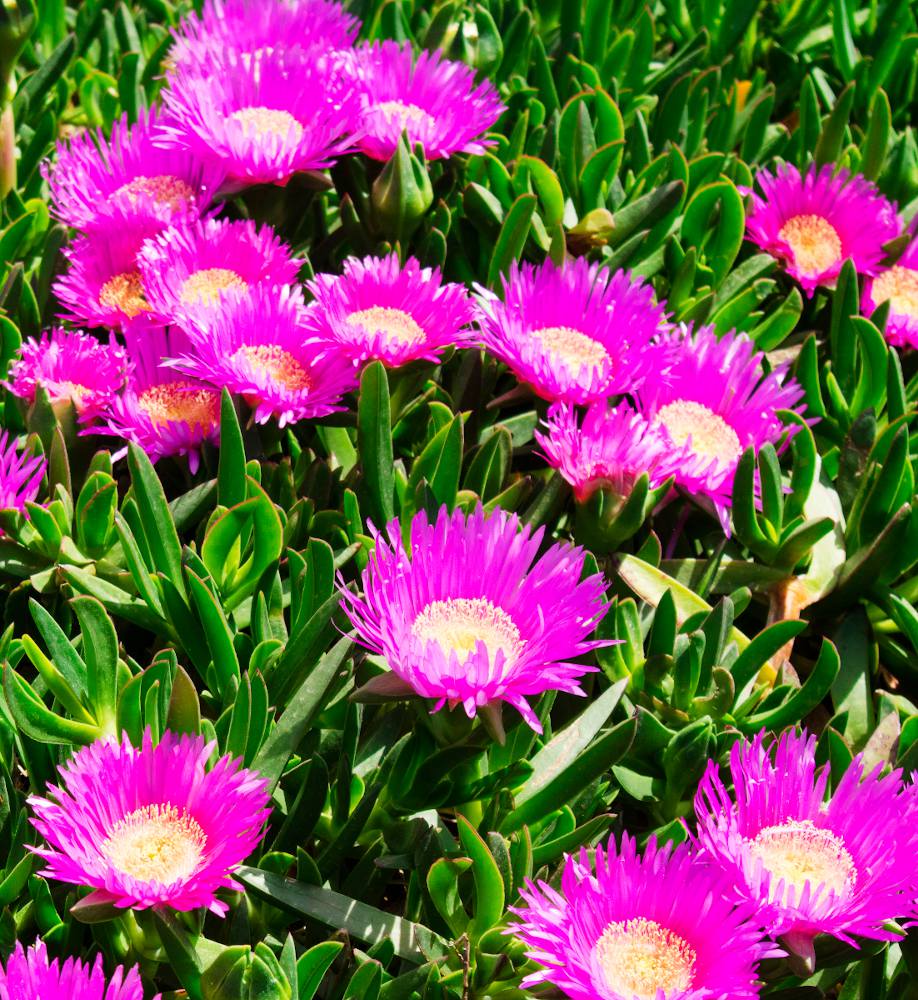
{"x":815,"y":222}
{"x":95,"y":183}
{"x":712,"y":401}
{"x":28,"y":973}
{"x":897,"y":285}
{"x":21,"y":474}
{"x":70,"y":365}
{"x":254,"y":346}
{"x":841,"y":867}
{"x":151,"y":826}
{"x":265,"y":117}
{"x":577,"y":333}
{"x":640,"y":928}
{"x":431,"y":98}
{"x":470,"y":614}
{"x":162,"y":412}
{"x":378,"y":309}
{"x":185,"y":270}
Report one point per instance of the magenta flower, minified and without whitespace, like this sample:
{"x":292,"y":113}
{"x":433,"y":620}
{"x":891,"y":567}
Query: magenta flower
{"x":651,"y":927}
{"x":810,"y":866}
{"x":897,"y":285}
{"x":160,"y":411}
{"x":151,"y":826}
{"x":95,"y":182}
{"x":265,"y":117}
{"x":187,"y":269}
{"x":612,"y":448}
{"x":70,"y":366}
{"x":246,"y":26}
{"x":435,"y":100}
{"x":103,"y":286}
{"x":379,"y":310}
{"x":21,"y":474}
{"x":28,"y":974}
{"x":471,"y":615}
{"x":254,"y":345}
{"x":575,"y":334}
{"x":816,"y":222}
{"x":712,"y":402}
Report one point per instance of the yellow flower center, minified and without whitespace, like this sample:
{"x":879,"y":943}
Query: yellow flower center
{"x":571,"y":347}
{"x":157,"y":843}
{"x":711,"y":435}
{"x":171,"y":192}
{"x":815,"y":243}
{"x":640,"y":957}
{"x":899,"y":286}
{"x":799,"y":852}
{"x":268,"y":123}
{"x":203,"y":288}
{"x":124,"y":292}
{"x":181,"y":402}
{"x":396,"y":326}
{"x":459,"y":623}
{"x":74,"y":391}
{"x":404,"y":114}
{"x":277,"y":364}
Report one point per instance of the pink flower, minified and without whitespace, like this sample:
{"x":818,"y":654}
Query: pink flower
{"x":28,"y":974}
{"x":151,"y":827}
{"x":21,"y":474}
{"x":897,"y":285}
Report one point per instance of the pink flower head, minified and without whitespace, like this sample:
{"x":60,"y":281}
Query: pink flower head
{"x":29,"y":973}
{"x":611,"y":449}
{"x":471,"y":615}
{"x":21,"y":474}
{"x":162,"y":412}
{"x":713,"y":402}
{"x":576,"y":334}
{"x":254,"y":346}
{"x":841,"y":867}
{"x":814,"y":223}
{"x":247,"y":26}
{"x":897,"y":285}
{"x":263,"y":117}
{"x":103,"y":286}
{"x":185,"y":270}
{"x":435,"y":100}
{"x":95,"y":183}
{"x":70,"y":365}
{"x":653,"y":927}
{"x":151,"y":827}
{"x":379,"y":310}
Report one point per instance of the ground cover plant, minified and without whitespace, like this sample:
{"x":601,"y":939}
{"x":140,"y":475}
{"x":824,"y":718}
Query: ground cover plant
{"x":458,"y":534}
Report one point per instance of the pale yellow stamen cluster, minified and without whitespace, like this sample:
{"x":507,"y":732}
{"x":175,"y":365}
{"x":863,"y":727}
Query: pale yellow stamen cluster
{"x":181,"y":402}
{"x":158,"y":843}
{"x":124,"y":292}
{"x":574,"y":349}
{"x":459,"y":623}
{"x":204,"y":287}
{"x":815,"y":243}
{"x":640,"y":957}
{"x":799,"y":852}
{"x":396,"y":326}
{"x":279,"y":365}
{"x":171,"y":192}
{"x":898,"y":286}
{"x":75,"y":391}
{"x":268,"y":123}
{"x":404,"y":114}
{"x":711,"y":435}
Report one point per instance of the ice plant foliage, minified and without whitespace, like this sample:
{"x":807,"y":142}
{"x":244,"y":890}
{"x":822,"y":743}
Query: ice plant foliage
{"x":575,"y":334}
{"x":95,"y":182}
{"x":378,"y":309}
{"x":21,"y":474}
{"x":28,"y":974}
{"x":811,"y":865}
{"x":256,"y":346}
{"x":151,"y":826}
{"x":897,"y":285}
{"x":657,"y":926}
{"x":434,"y":100}
{"x":814,"y":222}
{"x":70,"y":365}
{"x":469,"y":613}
